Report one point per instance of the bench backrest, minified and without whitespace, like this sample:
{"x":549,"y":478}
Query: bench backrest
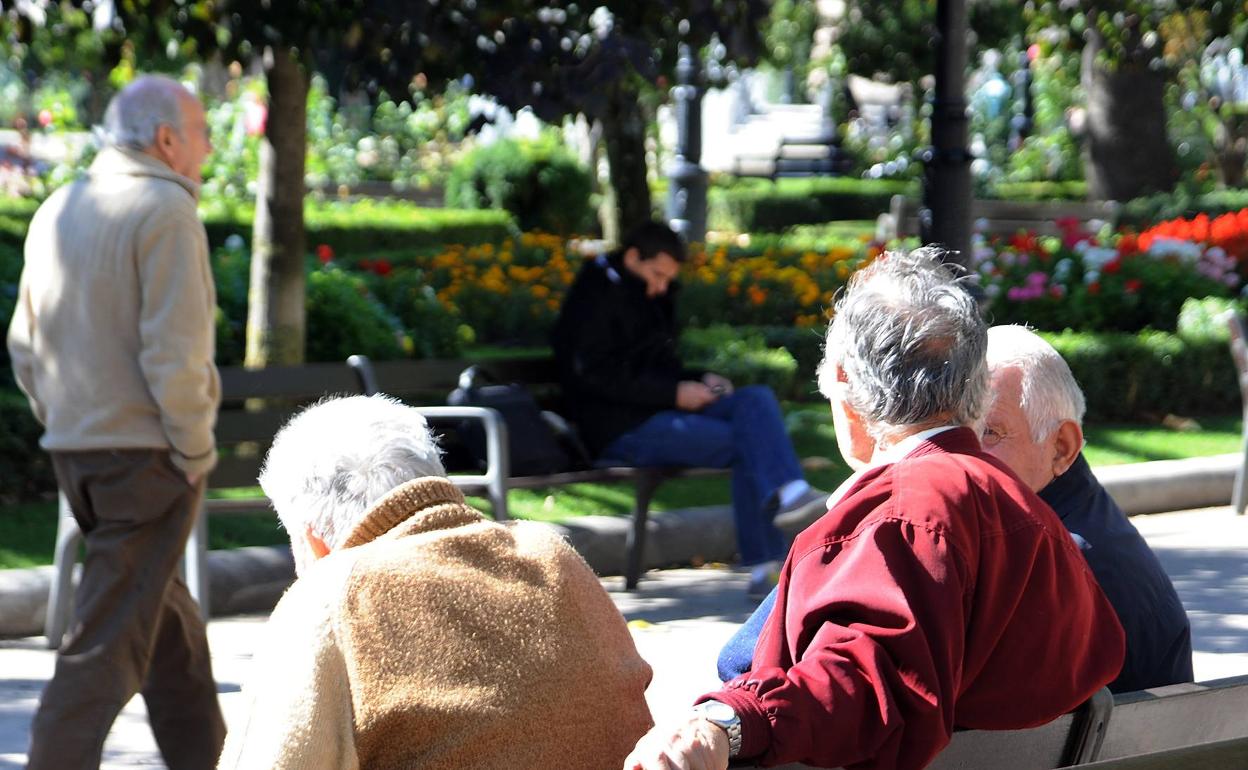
{"x":1070,"y":739}
{"x":1220,"y":755}
{"x":996,"y":217}
{"x":1180,"y":715}
{"x":428,"y":382}
{"x":255,"y":403}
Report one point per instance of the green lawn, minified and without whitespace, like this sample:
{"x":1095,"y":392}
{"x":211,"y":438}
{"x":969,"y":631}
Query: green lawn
{"x":27,"y":530}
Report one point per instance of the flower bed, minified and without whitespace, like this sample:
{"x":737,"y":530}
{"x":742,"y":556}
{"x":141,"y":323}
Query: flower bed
{"x":1109,"y":281}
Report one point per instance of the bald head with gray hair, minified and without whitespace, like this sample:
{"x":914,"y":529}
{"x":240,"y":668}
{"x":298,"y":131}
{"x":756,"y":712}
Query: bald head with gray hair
{"x":909,"y":341}
{"x":1050,"y":393}
{"x":136,"y":113}
{"x":332,"y":462}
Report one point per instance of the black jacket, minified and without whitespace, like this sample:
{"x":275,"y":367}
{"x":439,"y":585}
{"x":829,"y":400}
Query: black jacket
{"x":1159,"y":639}
{"x":616,"y":351}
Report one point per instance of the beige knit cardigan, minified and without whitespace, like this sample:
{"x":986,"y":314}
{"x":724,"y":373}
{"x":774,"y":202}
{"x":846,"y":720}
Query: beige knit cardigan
{"x":436,"y":638}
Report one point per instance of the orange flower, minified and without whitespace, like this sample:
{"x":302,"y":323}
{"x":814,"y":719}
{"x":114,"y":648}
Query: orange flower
{"x":757,"y":295}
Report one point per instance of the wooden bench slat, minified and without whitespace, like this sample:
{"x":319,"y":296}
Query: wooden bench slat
{"x":306,"y":382}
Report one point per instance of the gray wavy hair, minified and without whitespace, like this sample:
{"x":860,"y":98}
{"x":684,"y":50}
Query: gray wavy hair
{"x":911,"y":342}
{"x":1050,"y":393}
{"x":141,"y":108}
{"x":337,"y":458}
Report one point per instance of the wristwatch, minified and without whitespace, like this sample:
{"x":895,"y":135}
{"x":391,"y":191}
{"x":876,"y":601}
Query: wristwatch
{"x":721,"y":714}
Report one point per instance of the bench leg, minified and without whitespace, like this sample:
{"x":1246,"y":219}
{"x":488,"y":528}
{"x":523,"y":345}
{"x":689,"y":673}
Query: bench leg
{"x":498,"y":499}
{"x":647,"y":482}
{"x":61,"y":593}
{"x":195,"y":560}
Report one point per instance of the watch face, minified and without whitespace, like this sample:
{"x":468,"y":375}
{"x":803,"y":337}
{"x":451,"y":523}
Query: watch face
{"x":718,"y":711}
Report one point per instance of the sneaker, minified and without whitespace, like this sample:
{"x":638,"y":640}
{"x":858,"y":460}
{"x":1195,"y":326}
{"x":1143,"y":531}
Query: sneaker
{"x":803,"y":511}
{"x":763,"y":578}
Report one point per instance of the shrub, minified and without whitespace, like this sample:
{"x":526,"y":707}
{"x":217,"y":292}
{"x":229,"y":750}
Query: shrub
{"x":771,"y":207}
{"x":366,"y":226}
{"x":344,"y":318}
{"x":539,"y":182}
{"x":1133,"y":377}
{"x":1149,"y":210}
{"x":741,"y":356}
{"x":1039,"y":191}
{"x":433,"y":329}
{"x":230,"y":271}
{"x":25,"y":471}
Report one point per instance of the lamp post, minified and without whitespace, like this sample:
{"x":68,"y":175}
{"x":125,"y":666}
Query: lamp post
{"x":686,"y":191}
{"x":945,"y":218}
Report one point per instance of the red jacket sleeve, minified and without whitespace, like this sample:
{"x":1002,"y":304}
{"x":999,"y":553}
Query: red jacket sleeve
{"x":866,"y":670}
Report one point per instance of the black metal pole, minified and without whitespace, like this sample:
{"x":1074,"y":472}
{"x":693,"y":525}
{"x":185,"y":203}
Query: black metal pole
{"x":946,"y":220}
{"x":686,"y":191}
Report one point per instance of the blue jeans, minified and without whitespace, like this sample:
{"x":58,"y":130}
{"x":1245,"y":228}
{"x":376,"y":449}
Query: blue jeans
{"x":744,"y":431}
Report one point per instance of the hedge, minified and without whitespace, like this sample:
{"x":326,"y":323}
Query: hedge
{"x":1125,"y":377}
{"x":761,"y":206}
{"x":1148,"y":211}
{"x":369,"y":225}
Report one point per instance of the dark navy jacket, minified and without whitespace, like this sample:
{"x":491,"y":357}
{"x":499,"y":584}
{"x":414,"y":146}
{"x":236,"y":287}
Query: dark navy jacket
{"x":1159,"y":643}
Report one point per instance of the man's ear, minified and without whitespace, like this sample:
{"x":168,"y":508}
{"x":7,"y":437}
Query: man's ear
{"x":1067,"y":444}
{"x":315,"y":544}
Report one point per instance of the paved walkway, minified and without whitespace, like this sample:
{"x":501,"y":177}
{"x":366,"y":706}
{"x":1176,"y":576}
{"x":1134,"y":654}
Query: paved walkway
{"x":680,"y":618}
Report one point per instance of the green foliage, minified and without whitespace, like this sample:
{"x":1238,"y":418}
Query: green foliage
{"x":539,"y":182}
{"x":231,"y":266}
{"x":790,"y":34}
{"x":434,"y":330}
{"x":741,"y":356}
{"x":1040,"y":191}
{"x":759,"y":206}
{"x":1146,"y":211}
{"x":1205,"y":318}
{"x":898,"y":38}
{"x":368,"y":225}
{"x":344,"y":318}
{"x":25,"y":472}
{"x":1134,"y":377}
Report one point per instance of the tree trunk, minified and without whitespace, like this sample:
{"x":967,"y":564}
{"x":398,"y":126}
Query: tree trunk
{"x":627,"y":202}
{"x":275,"y":301}
{"x":1126,"y":151}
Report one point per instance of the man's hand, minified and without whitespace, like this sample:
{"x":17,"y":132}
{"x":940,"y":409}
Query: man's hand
{"x":719,"y":384}
{"x":693,"y":396}
{"x":690,"y":744}
{"x":193,"y":478}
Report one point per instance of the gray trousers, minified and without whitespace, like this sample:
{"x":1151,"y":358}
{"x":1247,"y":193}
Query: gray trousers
{"x":136,"y":627}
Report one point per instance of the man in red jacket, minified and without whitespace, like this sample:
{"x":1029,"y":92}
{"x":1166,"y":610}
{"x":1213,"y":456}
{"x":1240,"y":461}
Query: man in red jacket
{"x":939,"y":591}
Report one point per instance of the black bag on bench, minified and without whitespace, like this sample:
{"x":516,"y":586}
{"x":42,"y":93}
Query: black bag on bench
{"x":535,"y":448}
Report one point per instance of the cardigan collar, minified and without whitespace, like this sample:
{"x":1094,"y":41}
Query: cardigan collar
{"x":420,"y":505}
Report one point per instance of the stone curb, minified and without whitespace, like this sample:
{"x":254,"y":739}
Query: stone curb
{"x":252,"y":579}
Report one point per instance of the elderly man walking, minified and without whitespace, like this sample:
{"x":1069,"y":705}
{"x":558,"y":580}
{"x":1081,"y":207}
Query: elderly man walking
{"x":112,"y":342}
{"x":420,"y":634}
{"x":939,"y":591}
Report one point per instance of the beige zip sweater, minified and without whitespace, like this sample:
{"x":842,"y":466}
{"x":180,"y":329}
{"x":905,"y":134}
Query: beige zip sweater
{"x":436,"y":638}
{"x":112,"y":338}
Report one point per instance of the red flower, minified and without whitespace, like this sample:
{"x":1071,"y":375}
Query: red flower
{"x":1133,"y":285}
{"x":1112,"y":266}
{"x":1129,"y":243}
{"x":382,"y":267}
{"x":1094,"y":288}
{"x":366,"y":264}
{"x":324,"y":253}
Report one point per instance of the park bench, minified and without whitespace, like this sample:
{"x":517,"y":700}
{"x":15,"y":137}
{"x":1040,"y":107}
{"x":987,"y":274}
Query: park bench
{"x":254,"y":405}
{"x":995,"y":217}
{"x":428,"y":382}
{"x":1194,"y":725}
{"x":1239,"y":352}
